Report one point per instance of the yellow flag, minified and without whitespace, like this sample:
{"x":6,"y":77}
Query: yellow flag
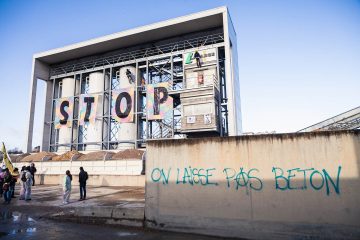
{"x":6,"y":160}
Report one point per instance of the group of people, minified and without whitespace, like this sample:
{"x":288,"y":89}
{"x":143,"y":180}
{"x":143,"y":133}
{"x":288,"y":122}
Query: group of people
{"x":8,"y":180}
{"x":83,"y":177}
{"x":27,"y":179}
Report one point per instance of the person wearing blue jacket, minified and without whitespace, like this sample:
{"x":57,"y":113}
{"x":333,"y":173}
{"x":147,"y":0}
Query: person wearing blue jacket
{"x":67,"y":187}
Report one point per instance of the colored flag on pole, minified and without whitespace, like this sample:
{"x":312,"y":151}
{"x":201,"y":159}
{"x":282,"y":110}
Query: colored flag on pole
{"x":6,"y":160}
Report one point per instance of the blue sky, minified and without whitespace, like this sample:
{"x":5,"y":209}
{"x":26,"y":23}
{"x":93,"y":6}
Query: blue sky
{"x":299,"y":61}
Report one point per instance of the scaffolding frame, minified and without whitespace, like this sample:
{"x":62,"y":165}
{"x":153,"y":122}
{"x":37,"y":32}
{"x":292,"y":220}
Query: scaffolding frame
{"x":162,"y":63}
{"x":137,"y":55}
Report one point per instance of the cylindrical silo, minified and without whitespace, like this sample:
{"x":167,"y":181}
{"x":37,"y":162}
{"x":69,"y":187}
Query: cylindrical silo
{"x":93,"y":134}
{"x":67,"y":90}
{"x":127,"y":131}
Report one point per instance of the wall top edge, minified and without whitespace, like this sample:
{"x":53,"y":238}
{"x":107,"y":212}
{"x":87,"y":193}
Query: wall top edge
{"x":277,"y":136}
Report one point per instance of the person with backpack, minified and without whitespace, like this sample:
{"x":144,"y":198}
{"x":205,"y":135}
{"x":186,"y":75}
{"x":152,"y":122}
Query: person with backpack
{"x":67,"y":187}
{"x":83,"y":177}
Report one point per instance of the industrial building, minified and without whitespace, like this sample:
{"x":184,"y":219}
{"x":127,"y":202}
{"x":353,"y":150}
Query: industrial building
{"x":349,"y":120}
{"x":173,"y":79}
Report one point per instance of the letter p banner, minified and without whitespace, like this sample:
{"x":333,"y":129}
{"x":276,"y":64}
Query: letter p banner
{"x":159,"y":102}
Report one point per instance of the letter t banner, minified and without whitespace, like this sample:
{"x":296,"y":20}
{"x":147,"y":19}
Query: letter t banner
{"x":122,"y":106}
{"x":64,"y":108}
{"x":88,"y":107}
{"x":159,"y":103}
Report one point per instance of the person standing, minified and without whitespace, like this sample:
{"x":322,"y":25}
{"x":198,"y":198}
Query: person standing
{"x":83,"y":177}
{"x":28,"y":184}
{"x":33,"y":171}
{"x":6,"y":186}
{"x":22,"y":183}
{"x":2,"y":175}
{"x":67,"y":187}
{"x":14,"y":179}
{"x":197,"y":57}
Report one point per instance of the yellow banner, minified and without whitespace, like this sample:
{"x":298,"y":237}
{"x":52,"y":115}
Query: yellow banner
{"x":7,"y":161}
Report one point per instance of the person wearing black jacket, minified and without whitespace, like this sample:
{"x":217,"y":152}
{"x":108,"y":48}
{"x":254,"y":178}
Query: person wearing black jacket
{"x":33,"y":171}
{"x":13,"y":182}
{"x":83,"y":177}
{"x":6,"y":186}
{"x":197,"y":57}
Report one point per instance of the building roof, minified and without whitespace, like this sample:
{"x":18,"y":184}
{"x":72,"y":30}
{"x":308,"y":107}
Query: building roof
{"x":173,"y":27}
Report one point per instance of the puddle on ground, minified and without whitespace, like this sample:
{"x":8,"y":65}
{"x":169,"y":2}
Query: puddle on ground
{"x":17,"y":217}
{"x":126,"y":234}
{"x":24,"y":230}
{"x":5,"y":215}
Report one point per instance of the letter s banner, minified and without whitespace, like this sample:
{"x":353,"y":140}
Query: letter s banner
{"x":159,"y":103}
{"x":64,"y":108}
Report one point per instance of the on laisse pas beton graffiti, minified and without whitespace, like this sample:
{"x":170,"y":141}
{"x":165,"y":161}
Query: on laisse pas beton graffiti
{"x":284,"y":180}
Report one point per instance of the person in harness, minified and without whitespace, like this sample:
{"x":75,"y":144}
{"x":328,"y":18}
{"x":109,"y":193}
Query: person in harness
{"x":197,"y":57}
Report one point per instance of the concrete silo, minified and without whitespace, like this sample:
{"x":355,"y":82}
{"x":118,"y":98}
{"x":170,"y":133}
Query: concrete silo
{"x":94,"y":131}
{"x":127,"y":131}
{"x":67,"y":90}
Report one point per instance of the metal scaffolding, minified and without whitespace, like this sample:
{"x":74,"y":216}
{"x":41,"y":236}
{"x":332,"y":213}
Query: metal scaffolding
{"x":137,"y":55}
{"x":157,"y":64}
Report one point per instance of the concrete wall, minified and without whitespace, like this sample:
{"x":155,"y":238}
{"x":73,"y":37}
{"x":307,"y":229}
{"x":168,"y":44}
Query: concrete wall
{"x":101,"y":173}
{"x":268,"y":186}
{"x":94,"y":180}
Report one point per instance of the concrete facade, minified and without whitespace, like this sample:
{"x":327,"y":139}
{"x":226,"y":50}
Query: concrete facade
{"x":267,"y":186}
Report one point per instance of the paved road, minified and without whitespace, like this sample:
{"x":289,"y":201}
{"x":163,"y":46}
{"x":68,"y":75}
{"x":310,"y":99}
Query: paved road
{"x":17,"y":225}
{"x":51,"y":195}
{"x":28,"y":220}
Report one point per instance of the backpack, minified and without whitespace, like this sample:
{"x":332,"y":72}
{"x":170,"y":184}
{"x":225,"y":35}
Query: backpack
{"x":6,"y":186}
{"x":23,"y":177}
{"x":86,"y":176}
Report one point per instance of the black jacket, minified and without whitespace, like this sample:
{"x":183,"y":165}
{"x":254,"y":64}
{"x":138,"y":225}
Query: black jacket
{"x":197,"y":55}
{"x":83,"y":176}
{"x":32,"y":170}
